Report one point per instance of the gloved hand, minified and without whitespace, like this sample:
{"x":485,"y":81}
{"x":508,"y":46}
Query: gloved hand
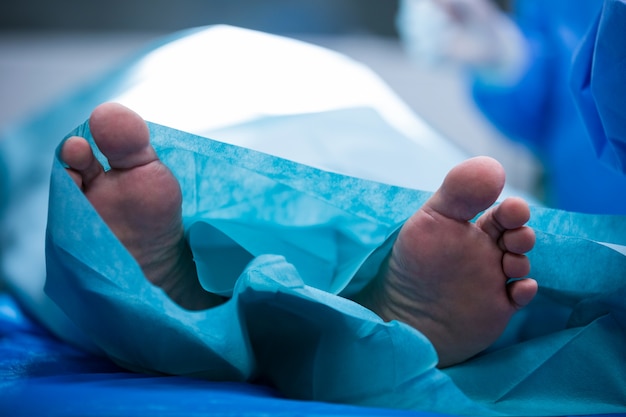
{"x":471,"y":33}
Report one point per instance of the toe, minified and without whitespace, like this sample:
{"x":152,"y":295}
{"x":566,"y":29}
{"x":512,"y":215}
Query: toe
{"x":121,"y":135}
{"x":522,"y":292}
{"x":518,"y":241}
{"x":511,"y":214}
{"x":469,"y":188}
{"x":515,"y":266}
{"x":83,"y":165}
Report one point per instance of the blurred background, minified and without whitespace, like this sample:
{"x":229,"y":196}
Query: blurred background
{"x":50,"y":48}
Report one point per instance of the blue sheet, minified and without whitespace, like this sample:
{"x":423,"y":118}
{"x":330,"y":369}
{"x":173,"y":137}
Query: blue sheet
{"x":288,"y":323}
{"x":43,"y":376}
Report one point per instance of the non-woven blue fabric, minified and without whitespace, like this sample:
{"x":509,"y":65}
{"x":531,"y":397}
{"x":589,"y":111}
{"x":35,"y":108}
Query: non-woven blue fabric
{"x":299,"y":237}
{"x":598,"y":84}
{"x":45,"y":377}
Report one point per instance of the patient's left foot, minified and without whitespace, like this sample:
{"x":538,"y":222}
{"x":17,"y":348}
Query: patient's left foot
{"x":139,"y":199}
{"x":448,"y":277}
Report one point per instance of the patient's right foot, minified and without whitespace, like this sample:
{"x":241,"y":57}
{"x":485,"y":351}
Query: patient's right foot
{"x":139,"y":199}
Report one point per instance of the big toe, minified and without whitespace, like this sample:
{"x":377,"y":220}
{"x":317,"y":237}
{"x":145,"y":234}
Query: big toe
{"x":469,"y":188}
{"x":121,"y":135}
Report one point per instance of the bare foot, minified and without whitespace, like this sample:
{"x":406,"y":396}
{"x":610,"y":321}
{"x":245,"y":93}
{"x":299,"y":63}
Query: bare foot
{"x":139,"y":199}
{"x":446,"y":277}
{"x":450,"y":278}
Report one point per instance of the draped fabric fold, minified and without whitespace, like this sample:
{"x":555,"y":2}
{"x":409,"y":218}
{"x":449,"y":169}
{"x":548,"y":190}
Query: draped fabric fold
{"x":292,"y":240}
{"x":598,"y":85}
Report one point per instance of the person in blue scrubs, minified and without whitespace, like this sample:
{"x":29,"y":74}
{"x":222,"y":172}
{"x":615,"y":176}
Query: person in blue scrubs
{"x":523,"y":86}
{"x":598,"y":85}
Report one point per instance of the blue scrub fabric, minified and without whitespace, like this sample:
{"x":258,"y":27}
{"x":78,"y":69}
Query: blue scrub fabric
{"x":540,"y":111}
{"x":295,"y":239}
{"x":599,"y":85}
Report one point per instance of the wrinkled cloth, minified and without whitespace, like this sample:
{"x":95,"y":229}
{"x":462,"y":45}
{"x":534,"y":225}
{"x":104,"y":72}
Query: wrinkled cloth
{"x":297,"y":241}
{"x":599,"y":87}
{"x":68,"y":381}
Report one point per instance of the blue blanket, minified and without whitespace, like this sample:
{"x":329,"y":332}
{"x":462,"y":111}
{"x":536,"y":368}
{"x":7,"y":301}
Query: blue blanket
{"x":287,"y":322}
{"x":43,"y":376}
